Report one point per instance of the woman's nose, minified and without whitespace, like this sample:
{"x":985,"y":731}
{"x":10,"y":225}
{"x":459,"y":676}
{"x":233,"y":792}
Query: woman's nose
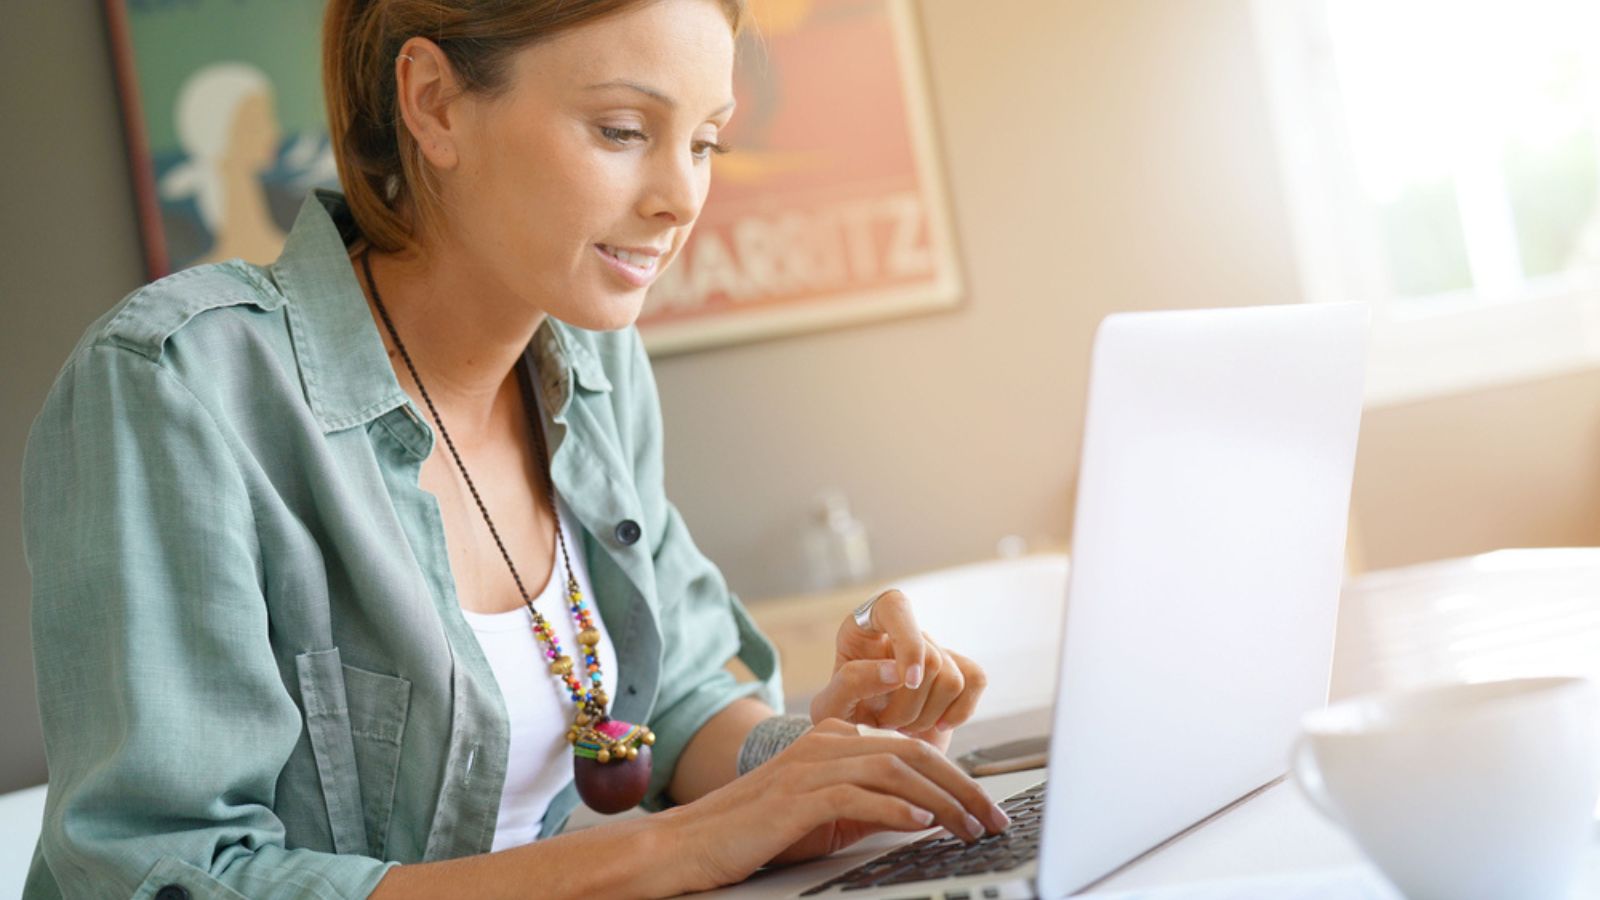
{"x":675,"y":192}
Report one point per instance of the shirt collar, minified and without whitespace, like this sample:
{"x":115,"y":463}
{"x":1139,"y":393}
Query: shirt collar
{"x":559,"y":359}
{"x":344,"y":368}
{"x":343,"y":365}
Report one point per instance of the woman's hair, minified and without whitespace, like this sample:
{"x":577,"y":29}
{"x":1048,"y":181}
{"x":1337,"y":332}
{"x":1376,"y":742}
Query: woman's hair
{"x":386,"y":181}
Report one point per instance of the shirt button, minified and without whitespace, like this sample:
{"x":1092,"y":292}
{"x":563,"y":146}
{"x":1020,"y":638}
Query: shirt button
{"x":628,"y":532}
{"x":173,"y":892}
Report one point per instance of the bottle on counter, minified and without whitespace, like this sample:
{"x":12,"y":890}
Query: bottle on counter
{"x":837,"y":552}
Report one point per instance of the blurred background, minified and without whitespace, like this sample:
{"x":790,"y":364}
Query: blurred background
{"x":1097,"y":156}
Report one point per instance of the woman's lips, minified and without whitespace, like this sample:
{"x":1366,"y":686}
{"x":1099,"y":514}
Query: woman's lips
{"x":636,"y":266}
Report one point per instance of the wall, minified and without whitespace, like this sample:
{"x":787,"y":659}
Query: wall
{"x":1101,"y":155}
{"x":1517,"y":466}
{"x":68,"y":250}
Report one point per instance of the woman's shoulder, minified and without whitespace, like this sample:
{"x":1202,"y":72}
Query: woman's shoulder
{"x":149,"y":319}
{"x":213,"y":334}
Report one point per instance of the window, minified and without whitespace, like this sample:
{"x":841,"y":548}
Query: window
{"x":1442,"y":161}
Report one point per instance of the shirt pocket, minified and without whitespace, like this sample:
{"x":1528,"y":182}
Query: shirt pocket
{"x":355,"y":720}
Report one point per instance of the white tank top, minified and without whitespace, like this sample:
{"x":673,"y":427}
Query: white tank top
{"x":540,"y":709}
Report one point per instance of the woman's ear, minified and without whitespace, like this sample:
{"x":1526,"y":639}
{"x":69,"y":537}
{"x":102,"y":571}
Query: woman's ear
{"x":426,"y":89}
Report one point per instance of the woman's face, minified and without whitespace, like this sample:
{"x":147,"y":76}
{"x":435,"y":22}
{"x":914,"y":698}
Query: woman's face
{"x":577,"y":187}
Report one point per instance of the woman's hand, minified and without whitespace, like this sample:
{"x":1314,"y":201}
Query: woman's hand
{"x":893,"y":675}
{"x":825,"y":791}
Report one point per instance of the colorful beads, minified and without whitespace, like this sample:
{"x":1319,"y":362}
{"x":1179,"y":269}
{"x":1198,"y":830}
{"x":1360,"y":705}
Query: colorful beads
{"x":562,"y":665}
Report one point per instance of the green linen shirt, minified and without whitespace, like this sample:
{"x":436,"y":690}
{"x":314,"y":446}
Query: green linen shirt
{"x":253,"y":671}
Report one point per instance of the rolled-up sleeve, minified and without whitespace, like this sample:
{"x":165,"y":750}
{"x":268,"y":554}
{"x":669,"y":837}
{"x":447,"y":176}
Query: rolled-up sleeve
{"x":166,"y":720}
{"x":703,"y":624}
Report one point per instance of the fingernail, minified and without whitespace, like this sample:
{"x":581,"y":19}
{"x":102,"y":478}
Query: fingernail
{"x":999,"y":819}
{"x":974,"y":827}
{"x":914,"y":677}
{"x":889,"y":672}
{"x":942,"y":727}
{"x":923,"y":816}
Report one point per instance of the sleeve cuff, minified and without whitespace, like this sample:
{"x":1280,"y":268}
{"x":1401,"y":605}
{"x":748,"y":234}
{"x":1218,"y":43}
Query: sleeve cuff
{"x":335,"y":878}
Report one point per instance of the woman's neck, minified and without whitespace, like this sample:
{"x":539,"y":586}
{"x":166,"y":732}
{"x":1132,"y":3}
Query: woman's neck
{"x":464,"y":337}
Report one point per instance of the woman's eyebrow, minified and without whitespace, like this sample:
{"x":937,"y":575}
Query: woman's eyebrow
{"x":658,"y":96}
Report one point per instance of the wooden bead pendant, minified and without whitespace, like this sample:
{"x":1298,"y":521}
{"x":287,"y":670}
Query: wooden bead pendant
{"x":611,"y":764}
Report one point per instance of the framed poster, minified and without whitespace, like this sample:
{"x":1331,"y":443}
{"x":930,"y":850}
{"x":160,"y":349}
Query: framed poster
{"x":832,"y":209}
{"x":222,"y":108}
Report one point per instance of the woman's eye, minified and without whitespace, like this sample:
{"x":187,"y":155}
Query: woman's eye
{"x":621,"y":135}
{"x":624,"y":136}
{"x":704,"y":149}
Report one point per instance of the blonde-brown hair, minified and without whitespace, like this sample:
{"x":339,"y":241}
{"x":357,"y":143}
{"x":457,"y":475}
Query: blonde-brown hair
{"x":387,"y":183}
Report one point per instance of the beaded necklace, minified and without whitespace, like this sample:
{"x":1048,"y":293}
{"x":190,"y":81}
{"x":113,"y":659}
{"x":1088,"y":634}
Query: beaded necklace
{"x":610,"y":758}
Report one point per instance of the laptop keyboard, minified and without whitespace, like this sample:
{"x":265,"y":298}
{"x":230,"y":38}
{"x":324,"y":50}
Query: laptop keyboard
{"x":942,"y":855}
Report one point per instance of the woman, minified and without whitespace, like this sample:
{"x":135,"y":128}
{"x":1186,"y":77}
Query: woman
{"x":277,"y":518}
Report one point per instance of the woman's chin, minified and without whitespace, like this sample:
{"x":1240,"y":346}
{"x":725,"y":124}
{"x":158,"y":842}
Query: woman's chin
{"x":606,"y":314}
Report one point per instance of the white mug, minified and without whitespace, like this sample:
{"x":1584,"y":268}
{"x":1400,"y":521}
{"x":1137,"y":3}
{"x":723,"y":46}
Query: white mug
{"x":1465,"y":791}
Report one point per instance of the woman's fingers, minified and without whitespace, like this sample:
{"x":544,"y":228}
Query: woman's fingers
{"x":946,"y":689}
{"x":937,"y":687}
{"x":849,"y":801}
{"x":889,"y":774}
{"x":950,"y":698}
{"x":891,"y":615}
{"x":852,"y":683}
{"x":904,"y":706}
{"x":824,"y":791}
{"x":975,"y":682}
{"x":832,"y":750}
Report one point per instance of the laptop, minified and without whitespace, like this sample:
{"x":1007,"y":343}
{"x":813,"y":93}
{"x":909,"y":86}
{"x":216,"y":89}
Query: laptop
{"x":1207,"y":557}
